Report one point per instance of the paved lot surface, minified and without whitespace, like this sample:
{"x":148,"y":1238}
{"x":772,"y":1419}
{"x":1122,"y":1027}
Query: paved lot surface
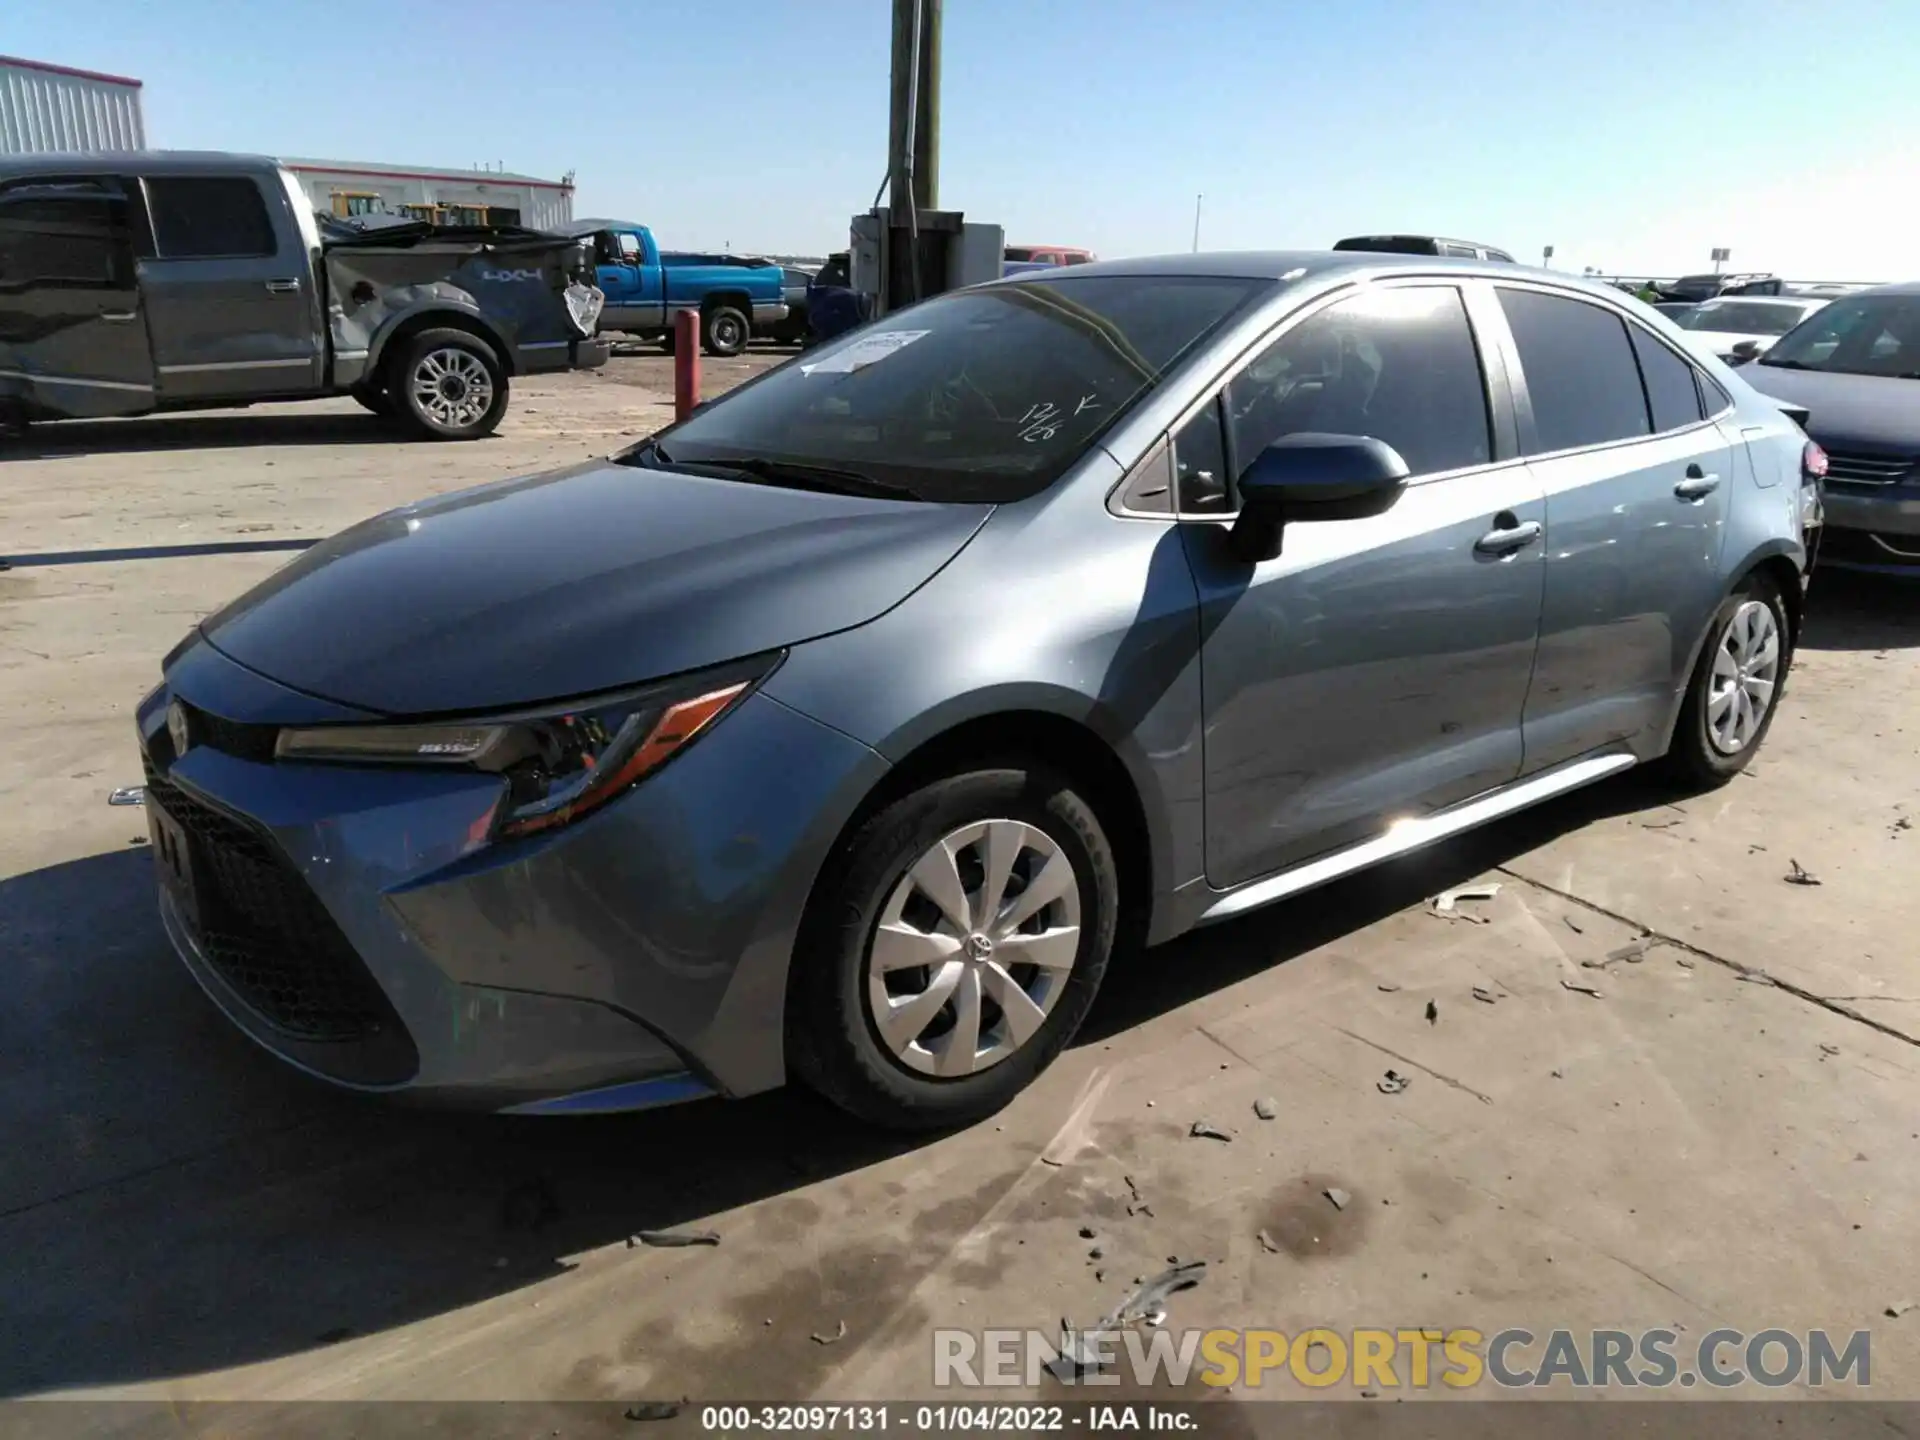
{"x":1728,"y":1133}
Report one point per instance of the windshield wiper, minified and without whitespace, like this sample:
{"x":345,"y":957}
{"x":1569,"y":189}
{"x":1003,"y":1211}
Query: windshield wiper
{"x":824,"y":478}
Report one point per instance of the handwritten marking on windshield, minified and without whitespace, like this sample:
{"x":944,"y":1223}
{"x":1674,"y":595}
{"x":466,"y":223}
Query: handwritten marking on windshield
{"x":1041,"y":422}
{"x":1087,"y":402}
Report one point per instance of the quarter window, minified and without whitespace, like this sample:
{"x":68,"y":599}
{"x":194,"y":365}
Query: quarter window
{"x":1399,"y":365}
{"x":62,"y":233}
{"x":208,"y":217}
{"x":1672,"y":394}
{"x":1200,"y":464}
{"x":1580,"y":371}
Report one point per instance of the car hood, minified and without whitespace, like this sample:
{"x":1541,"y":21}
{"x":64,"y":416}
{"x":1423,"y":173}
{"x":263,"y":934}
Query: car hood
{"x":1848,"y":412}
{"x":585,"y":579}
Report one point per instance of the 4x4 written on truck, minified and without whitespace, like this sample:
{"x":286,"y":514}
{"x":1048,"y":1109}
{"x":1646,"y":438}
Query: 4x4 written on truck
{"x":154,"y":281}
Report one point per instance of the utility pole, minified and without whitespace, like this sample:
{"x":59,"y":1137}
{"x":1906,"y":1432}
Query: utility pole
{"x":1196,"y":222}
{"x":913,"y":143}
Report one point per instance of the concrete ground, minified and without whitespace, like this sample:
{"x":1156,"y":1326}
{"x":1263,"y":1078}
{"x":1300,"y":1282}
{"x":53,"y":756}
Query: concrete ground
{"x":1726,"y":1133}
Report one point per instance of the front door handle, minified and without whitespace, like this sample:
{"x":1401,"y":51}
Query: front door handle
{"x":119,"y":317}
{"x":1508,"y":535}
{"x":283,"y":287}
{"x":1697,"y":485}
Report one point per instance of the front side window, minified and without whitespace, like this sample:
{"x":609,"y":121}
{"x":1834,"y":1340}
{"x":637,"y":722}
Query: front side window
{"x":208,"y":217}
{"x":1856,"y":335}
{"x":629,"y":244}
{"x":63,"y":233}
{"x":1399,"y":365}
{"x":984,"y":395}
{"x":1580,"y":371}
{"x":1672,"y":393}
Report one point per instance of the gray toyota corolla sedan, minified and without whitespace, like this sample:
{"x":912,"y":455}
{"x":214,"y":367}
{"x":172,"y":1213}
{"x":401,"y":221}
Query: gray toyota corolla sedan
{"x":851,"y":728}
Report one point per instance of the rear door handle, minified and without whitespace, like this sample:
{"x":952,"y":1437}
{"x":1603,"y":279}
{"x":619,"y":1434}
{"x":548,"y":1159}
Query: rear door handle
{"x":1697,"y":484}
{"x":283,"y":287}
{"x":119,"y":317}
{"x":1509,"y":536}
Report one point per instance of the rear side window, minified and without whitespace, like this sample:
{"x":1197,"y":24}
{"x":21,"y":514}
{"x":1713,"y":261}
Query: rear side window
{"x":1672,"y":393}
{"x":65,"y":233}
{"x":1398,"y":364}
{"x":1580,"y":372}
{"x":208,"y":217}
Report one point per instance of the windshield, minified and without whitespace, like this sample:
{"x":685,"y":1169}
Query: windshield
{"x":1860,"y":335}
{"x":981,"y":395}
{"x":1742,"y":318}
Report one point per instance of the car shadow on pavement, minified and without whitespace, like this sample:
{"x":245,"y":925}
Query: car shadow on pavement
{"x":203,"y":432}
{"x":1848,"y":610}
{"x":177,"y":1202}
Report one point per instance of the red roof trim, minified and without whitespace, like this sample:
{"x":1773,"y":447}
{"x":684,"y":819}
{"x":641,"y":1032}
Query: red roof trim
{"x":477,"y":176}
{"x":69,"y":70}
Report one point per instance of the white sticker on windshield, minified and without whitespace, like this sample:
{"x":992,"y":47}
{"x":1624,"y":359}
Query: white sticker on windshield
{"x":867,"y":350}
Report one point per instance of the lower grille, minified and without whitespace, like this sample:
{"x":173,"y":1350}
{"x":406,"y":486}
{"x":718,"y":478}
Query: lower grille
{"x":230,"y":737}
{"x":1856,"y":468}
{"x":1863,"y":547}
{"x":265,"y":931}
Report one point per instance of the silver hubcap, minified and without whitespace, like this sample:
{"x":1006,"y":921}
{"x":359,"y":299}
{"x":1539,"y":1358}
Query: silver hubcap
{"x":726,"y":333}
{"x":1746,"y":671}
{"x":974,"y":948}
{"x":452,"y":387}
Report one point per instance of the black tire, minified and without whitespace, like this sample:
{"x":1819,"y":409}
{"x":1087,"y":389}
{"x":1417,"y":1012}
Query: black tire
{"x":833,"y":1044}
{"x":1694,"y":759}
{"x":724,"y":331}
{"x":404,"y":381}
{"x":666,"y":341}
{"x":374,"y":398}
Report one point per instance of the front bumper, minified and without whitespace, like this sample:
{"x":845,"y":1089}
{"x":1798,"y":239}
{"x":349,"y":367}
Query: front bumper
{"x":547,"y":356}
{"x":637,"y":956}
{"x":1876,"y":530}
{"x":769,"y":312}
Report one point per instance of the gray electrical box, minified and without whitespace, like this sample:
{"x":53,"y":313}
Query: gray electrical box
{"x":895,"y":264}
{"x":979,"y":257}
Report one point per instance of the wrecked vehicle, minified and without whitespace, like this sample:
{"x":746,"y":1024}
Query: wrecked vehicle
{"x":159,"y":280}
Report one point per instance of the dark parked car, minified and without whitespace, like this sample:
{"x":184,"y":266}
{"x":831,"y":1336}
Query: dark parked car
{"x":1696,"y":288}
{"x":793,"y":330}
{"x":849,"y":728}
{"x":1854,"y":365}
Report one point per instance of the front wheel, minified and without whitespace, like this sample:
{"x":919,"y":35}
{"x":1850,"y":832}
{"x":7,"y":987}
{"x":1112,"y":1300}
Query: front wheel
{"x":450,"y":385}
{"x":953,"y":949}
{"x":724,"y":331}
{"x":1734,"y":692}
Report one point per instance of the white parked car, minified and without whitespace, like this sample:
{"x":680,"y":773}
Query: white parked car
{"x":1735,"y":328}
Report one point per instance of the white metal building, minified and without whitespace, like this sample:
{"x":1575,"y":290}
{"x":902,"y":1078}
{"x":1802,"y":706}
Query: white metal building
{"x":343,"y":187}
{"x":53,"y":107}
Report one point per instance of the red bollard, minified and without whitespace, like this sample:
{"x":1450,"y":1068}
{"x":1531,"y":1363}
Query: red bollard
{"x":686,"y":363}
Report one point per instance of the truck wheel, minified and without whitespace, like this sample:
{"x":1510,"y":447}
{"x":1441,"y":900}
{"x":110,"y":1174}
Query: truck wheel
{"x":724,"y":330}
{"x":450,"y":385}
{"x":375,"y":398}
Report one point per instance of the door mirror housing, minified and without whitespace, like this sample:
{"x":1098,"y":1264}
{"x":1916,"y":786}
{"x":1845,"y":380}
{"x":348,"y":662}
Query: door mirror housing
{"x":1745,"y":350}
{"x":1312,"y":476}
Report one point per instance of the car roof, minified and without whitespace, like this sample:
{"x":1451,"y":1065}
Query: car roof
{"x":588,"y":227}
{"x":146,"y":162}
{"x":1901,"y":287}
{"x":1316,"y":265}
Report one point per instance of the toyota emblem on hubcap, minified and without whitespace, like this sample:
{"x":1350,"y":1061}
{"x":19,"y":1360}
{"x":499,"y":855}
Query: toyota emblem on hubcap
{"x":979,"y":947}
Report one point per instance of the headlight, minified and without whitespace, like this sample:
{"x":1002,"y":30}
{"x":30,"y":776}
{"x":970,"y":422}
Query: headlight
{"x":559,"y":762}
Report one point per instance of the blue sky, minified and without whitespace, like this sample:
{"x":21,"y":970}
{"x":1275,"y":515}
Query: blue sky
{"x":1632,"y":136}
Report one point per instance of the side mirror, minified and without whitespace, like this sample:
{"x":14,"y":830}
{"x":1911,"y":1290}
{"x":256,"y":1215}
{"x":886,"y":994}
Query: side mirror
{"x":1311,"y":476}
{"x":1744,"y":351}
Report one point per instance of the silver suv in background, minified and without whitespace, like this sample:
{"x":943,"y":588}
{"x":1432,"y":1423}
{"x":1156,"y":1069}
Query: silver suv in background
{"x":850,"y":728}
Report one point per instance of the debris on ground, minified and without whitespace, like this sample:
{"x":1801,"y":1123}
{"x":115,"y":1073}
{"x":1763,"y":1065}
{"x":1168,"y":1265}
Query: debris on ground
{"x":1049,"y":1160}
{"x":654,"y":1410}
{"x":1433,"y":1013}
{"x":1447,"y":902}
{"x":1386,"y":989}
{"x":128,"y":795}
{"x":1634,"y":951}
{"x":839,"y":1334}
{"x":1086,"y":1232}
{"x":1265,"y":1108}
{"x":1826,"y":1050}
{"x":1201,"y":1130}
{"x":1900,"y":1307}
{"x":1393,"y":1082}
{"x":1572,"y":924}
{"x":1660,"y":824}
{"x":1132,"y":1189}
{"x":1337,"y":1196}
{"x":673,"y":1239}
{"x":1096,"y":1253}
{"x":1079,"y":1354}
{"x":1268,"y":1243}
{"x":1484,"y":995}
{"x":1798,"y":874}
{"x":1685,"y":962}
{"x":529,"y":1205}
{"x":1903,"y":823}
{"x":1580,"y":989}
{"x":1756,"y":977}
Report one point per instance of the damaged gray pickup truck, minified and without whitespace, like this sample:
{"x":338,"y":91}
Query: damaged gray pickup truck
{"x":173,"y":281}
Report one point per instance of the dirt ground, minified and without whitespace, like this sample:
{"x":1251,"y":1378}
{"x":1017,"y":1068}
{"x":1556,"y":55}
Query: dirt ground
{"x":1726,"y":1134}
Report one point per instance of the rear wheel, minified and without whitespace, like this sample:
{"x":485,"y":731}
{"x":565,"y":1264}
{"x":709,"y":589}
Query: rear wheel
{"x":1734,"y":692}
{"x":450,"y":385}
{"x":724,"y":330}
{"x":953,"y":949}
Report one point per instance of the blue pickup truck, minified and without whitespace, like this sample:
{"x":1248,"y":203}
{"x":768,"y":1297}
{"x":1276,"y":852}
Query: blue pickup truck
{"x":646,"y":288}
